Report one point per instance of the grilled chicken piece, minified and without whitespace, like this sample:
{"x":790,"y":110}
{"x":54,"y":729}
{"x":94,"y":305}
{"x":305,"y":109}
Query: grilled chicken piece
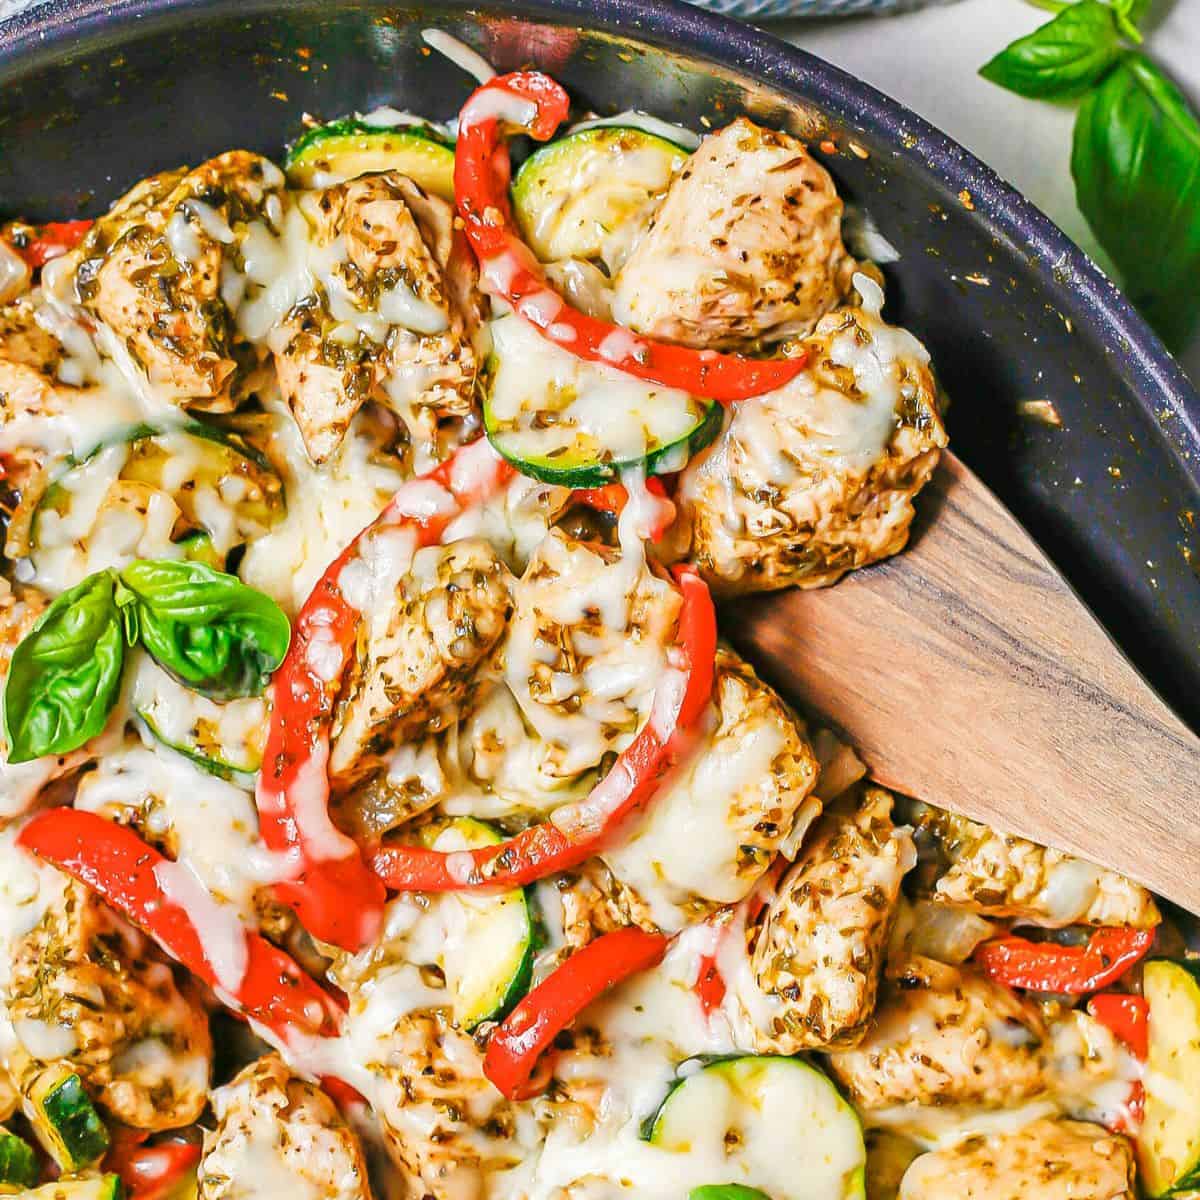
{"x":445,"y":1125}
{"x":587,"y":645}
{"x":999,"y":875}
{"x":713,"y":831}
{"x":151,"y":269}
{"x":595,"y":902}
{"x":745,"y":248}
{"x":397,"y":319}
{"x":421,"y":649}
{"x":820,"y":951}
{"x":279,"y":1136}
{"x":1048,"y":1160}
{"x":946,"y":1037}
{"x":88,"y":990}
{"x":818,"y":477}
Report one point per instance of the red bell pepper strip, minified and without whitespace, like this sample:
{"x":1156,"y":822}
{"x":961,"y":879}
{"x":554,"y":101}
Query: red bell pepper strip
{"x":1128,"y":1017}
{"x":52,"y":240}
{"x":337,"y":898}
{"x":1071,"y":970}
{"x":150,"y":1172}
{"x":612,"y":498}
{"x":519,"y":1041}
{"x":119,"y":866}
{"x":532,"y":103}
{"x":710,"y":984}
{"x":574,"y":832}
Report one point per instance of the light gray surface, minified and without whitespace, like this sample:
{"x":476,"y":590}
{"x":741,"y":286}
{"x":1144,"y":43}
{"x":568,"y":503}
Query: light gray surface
{"x":928,"y":60}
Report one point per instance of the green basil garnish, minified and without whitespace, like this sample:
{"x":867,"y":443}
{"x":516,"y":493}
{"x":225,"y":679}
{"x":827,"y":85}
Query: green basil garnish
{"x":65,"y":675}
{"x":1136,"y":163}
{"x":1063,"y":58}
{"x":1135,"y":157}
{"x":726,"y":1191}
{"x":208,"y":629}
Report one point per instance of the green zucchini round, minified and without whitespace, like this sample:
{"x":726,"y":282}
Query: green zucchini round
{"x":219,"y":460}
{"x":572,"y":194}
{"x":350,"y":147}
{"x":778,"y":1124}
{"x":489,"y":968}
{"x":573,"y":423}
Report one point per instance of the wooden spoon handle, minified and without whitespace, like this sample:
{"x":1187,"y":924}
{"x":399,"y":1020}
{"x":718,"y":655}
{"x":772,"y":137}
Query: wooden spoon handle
{"x":969,"y":674}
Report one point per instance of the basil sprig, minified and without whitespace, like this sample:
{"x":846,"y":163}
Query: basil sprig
{"x":1136,"y":153}
{"x":65,"y":674}
{"x":208,"y":629}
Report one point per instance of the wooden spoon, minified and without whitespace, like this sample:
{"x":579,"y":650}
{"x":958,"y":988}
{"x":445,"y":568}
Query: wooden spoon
{"x":969,"y":674}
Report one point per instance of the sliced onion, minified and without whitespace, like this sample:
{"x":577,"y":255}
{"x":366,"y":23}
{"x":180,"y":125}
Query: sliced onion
{"x":946,"y":932}
{"x":15,"y":274}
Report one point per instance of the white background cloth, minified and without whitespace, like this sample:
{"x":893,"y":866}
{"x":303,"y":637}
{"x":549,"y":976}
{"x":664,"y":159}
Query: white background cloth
{"x":928,"y":60}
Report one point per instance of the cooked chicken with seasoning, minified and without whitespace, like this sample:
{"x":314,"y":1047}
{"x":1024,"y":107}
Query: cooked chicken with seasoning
{"x":824,"y":933}
{"x":746,"y":247}
{"x":735,"y":831}
{"x":87,"y":991}
{"x":1048,"y":1160}
{"x":946,"y":1037}
{"x":366,"y":709}
{"x":396,"y":320}
{"x":818,"y":478}
{"x":278,"y":1135}
{"x":999,"y":875}
{"x":424,"y":647}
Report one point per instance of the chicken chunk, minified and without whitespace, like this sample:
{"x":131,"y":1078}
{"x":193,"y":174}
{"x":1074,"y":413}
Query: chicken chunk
{"x":1002,"y":876}
{"x":713,"y":831}
{"x":587,"y":645}
{"x":277,"y":1136}
{"x":818,"y":478}
{"x":1048,"y":1160}
{"x":820,"y":951}
{"x":421,"y":648}
{"x":445,"y":1125}
{"x":745,"y":248}
{"x":947,"y":1037}
{"x":152,"y":270}
{"x":397,"y":318}
{"x":595,"y":902}
{"x":88,"y":990}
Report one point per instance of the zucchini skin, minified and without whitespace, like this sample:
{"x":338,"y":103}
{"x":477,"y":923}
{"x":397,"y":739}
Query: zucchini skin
{"x":417,"y":151}
{"x":18,"y":1164}
{"x":67,"y":1124}
{"x":1187,"y":1182}
{"x":595,"y":473}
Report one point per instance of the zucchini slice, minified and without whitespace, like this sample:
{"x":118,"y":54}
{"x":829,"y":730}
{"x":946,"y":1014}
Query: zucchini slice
{"x":778,"y":1124}
{"x":18,"y":1164}
{"x":106,"y":1187}
{"x":487,"y":958}
{"x":1169,"y":1140}
{"x":64,"y":1119}
{"x":347,"y":148}
{"x":573,"y":194}
{"x":221,"y":485}
{"x":565,"y":421}
{"x":222,"y":739}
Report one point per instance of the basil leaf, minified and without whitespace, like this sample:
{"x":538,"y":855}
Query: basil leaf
{"x":1136,"y":163}
{"x":726,"y":1191}
{"x":208,"y":629}
{"x":1061,"y":59}
{"x":65,"y":674}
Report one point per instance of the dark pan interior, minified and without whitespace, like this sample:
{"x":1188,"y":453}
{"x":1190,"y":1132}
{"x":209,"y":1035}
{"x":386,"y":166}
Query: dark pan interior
{"x":93,"y":96}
